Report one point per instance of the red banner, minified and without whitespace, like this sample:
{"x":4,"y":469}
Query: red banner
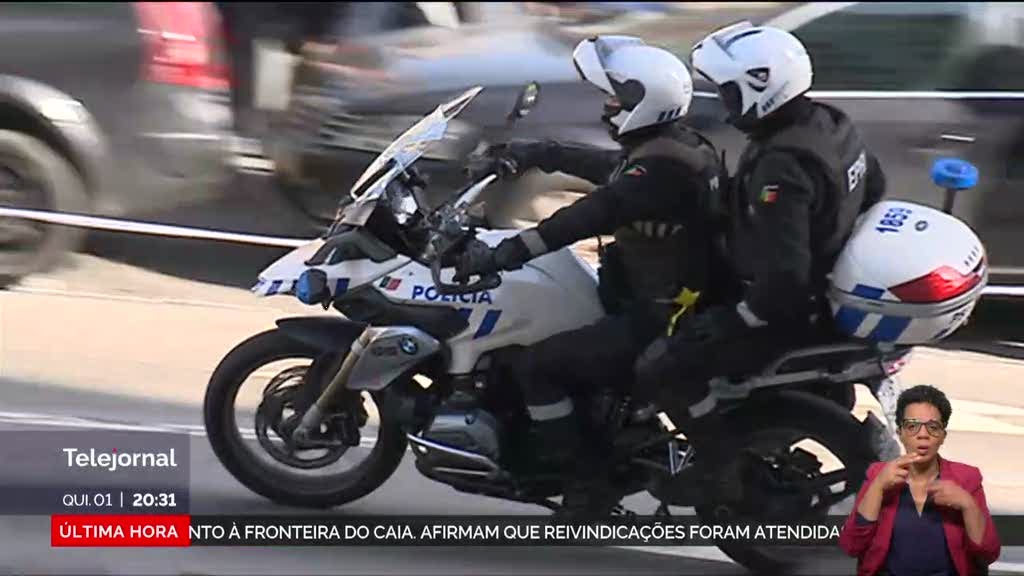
{"x":119,"y":530}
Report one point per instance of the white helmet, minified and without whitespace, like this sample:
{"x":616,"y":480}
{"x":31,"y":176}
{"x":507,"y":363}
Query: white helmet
{"x":757,"y":69}
{"x":647,"y":85}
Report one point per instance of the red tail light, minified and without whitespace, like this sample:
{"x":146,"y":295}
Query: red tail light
{"x":182,"y":40}
{"x":942,"y":284}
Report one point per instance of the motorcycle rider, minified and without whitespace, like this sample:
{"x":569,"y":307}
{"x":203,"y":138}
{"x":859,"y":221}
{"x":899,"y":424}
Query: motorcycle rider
{"x":651,"y":195}
{"x":800,"y":184}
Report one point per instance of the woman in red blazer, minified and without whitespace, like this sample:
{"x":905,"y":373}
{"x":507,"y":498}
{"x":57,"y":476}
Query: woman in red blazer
{"x":921,"y":514}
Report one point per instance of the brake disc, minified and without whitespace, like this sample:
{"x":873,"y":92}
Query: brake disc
{"x":281,"y":396}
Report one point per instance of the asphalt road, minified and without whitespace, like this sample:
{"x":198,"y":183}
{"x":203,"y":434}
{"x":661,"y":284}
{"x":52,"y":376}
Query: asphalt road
{"x":103,"y":343}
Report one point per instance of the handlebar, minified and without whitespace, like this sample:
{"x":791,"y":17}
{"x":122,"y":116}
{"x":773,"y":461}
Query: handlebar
{"x":450,"y":235}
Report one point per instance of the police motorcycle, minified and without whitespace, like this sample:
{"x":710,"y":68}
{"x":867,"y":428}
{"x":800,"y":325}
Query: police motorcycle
{"x":419,"y":361}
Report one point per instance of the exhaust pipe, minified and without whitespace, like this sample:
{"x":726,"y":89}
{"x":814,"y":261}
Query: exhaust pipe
{"x":492,"y":469}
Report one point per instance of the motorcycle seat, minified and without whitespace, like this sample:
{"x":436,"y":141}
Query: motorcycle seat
{"x":832,"y":357}
{"x":840,"y":362}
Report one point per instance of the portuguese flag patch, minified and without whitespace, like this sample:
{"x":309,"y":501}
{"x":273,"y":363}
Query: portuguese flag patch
{"x":770,"y":193}
{"x":634,"y":170}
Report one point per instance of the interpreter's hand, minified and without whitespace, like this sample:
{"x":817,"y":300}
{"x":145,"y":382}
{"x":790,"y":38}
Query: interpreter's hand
{"x":950,"y":494}
{"x":895,"y":473}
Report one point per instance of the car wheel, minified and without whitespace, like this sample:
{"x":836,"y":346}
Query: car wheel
{"x":34,"y":176}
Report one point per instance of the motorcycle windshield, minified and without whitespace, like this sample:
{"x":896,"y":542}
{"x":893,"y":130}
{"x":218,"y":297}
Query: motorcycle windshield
{"x":402,"y":153}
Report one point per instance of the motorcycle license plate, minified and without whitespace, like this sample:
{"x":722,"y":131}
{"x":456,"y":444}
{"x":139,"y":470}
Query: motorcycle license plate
{"x":888,"y":393}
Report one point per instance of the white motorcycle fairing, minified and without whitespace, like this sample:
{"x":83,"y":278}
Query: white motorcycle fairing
{"x":551,"y":294}
{"x":280,"y":277}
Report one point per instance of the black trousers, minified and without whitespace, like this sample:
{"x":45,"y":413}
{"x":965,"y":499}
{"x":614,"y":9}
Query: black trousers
{"x":677,"y":372}
{"x":599,"y":355}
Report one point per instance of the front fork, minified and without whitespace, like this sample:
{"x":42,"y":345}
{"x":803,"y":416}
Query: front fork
{"x":313,"y":417}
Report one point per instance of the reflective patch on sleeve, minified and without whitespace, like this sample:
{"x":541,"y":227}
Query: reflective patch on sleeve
{"x":534,"y":242}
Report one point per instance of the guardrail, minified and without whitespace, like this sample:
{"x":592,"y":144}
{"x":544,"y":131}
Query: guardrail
{"x":152,"y":229}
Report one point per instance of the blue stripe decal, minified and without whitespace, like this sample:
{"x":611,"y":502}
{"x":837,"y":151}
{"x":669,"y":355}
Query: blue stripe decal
{"x":849,"y":319}
{"x":868,"y":292}
{"x":274,"y":286}
{"x":487,"y":326}
{"x":341,"y":287}
{"x":465,"y":313}
{"x":889,"y":328}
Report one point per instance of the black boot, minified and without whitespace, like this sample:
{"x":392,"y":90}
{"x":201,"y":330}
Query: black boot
{"x":719,"y":464}
{"x":555,"y":443}
{"x":589,"y":492}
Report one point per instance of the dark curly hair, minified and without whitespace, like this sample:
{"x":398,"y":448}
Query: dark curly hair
{"x":927,"y":395}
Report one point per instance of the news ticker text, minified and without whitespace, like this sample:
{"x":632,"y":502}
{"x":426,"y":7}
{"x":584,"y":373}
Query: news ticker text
{"x":201,"y":530}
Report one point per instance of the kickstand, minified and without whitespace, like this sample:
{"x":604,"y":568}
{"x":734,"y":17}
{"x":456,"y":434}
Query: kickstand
{"x":662,"y":511}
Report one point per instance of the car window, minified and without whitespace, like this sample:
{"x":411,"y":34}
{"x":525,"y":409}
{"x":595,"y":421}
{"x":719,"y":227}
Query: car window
{"x":886,"y":45}
{"x":995,"y":61}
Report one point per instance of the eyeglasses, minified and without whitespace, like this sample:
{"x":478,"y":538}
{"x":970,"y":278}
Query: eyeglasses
{"x":912,"y":425}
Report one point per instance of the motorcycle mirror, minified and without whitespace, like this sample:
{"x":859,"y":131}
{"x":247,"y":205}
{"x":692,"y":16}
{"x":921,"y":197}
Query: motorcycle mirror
{"x":526,"y":100}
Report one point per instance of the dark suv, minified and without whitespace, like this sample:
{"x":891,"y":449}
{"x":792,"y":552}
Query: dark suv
{"x":345,"y":108}
{"x":920,"y":80}
{"x":116,"y":109}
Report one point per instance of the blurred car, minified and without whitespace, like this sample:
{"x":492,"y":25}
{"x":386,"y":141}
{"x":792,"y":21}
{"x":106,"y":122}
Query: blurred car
{"x":346,"y":106}
{"x":115,"y":109}
{"x":922,"y":81}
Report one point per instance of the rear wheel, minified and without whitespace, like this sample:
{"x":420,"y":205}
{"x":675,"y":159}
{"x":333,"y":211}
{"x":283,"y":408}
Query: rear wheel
{"x":34,"y":176}
{"x":263,"y":458}
{"x":802,"y":464}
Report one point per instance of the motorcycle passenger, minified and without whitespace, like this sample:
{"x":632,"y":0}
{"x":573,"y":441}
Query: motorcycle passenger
{"x":800,"y":184}
{"x":651,"y":196}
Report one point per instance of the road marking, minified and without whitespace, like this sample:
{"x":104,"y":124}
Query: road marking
{"x":253,"y":164}
{"x":63,"y":421}
{"x":182,"y":136}
{"x":35,"y":290}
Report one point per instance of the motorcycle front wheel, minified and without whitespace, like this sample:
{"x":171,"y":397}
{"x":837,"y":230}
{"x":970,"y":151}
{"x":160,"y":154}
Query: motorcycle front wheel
{"x":262,"y":458}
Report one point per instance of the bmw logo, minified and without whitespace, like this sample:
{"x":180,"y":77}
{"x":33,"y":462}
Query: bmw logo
{"x":921,"y":225}
{"x":409,"y":346}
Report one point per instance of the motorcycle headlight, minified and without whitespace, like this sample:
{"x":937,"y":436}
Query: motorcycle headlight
{"x":311,"y":287}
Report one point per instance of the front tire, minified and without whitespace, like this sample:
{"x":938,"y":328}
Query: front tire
{"x":283,"y":487}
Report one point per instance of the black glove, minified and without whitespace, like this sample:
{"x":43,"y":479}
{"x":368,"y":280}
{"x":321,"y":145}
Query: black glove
{"x":502,"y":166}
{"x":480,"y":260}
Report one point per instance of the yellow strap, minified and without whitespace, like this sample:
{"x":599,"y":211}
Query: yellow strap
{"x":685,"y":300}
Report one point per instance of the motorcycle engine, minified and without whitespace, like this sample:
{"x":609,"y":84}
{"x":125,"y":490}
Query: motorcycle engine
{"x":470,"y":430}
